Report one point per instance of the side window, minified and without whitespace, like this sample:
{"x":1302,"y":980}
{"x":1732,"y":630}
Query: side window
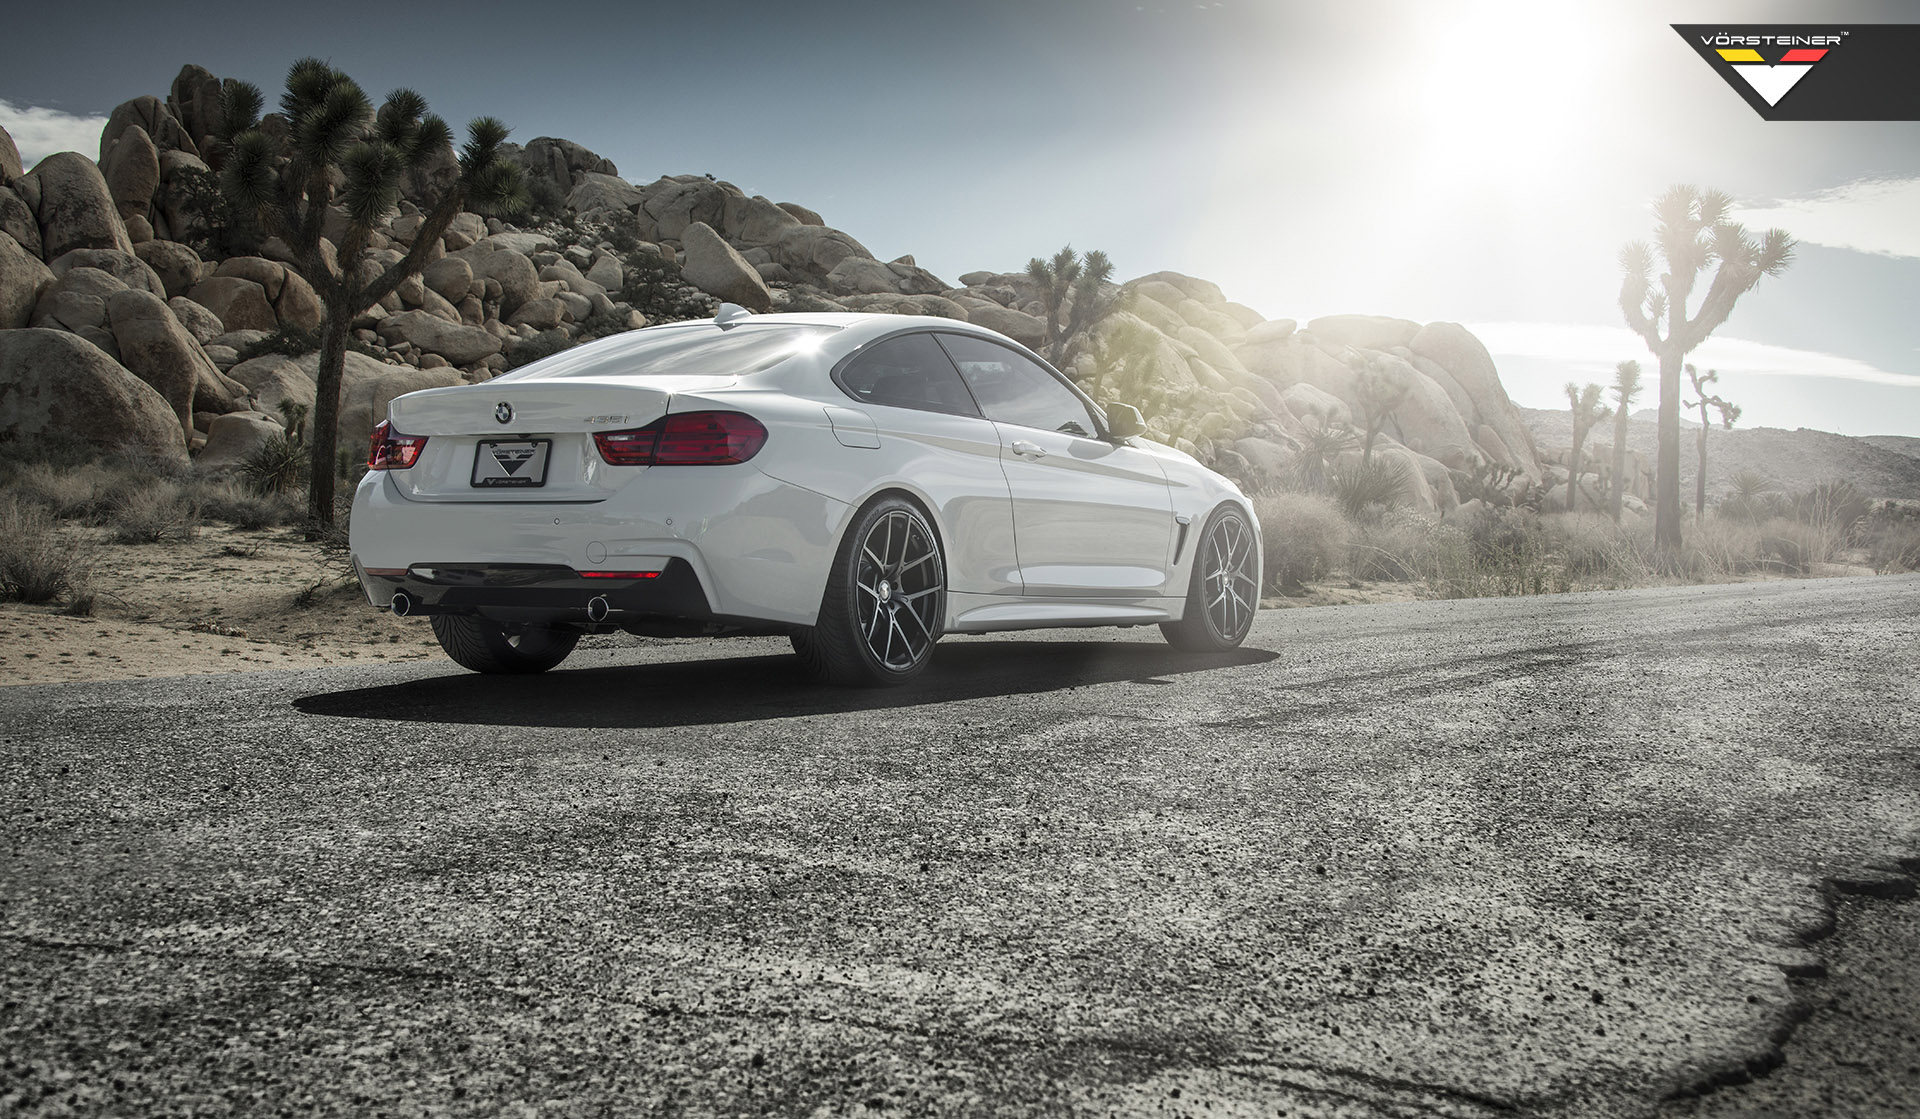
{"x":1013,"y":389}
{"x":910,"y":371}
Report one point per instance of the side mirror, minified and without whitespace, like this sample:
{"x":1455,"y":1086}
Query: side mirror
{"x":1124,"y":421}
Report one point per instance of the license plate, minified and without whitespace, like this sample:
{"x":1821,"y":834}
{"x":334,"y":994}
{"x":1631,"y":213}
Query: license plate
{"x":521,"y":462}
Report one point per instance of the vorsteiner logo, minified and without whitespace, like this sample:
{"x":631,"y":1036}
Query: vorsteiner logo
{"x":1860,"y":76}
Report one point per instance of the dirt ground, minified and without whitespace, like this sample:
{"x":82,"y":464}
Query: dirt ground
{"x":235,"y":601}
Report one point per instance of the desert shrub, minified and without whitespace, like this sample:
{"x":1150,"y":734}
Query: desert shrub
{"x":545,"y":200}
{"x":1303,"y":535}
{"x":1837,"y":506}
{"x":1486,"y":482}
{"x":243,"y":505}
{"x":1893,"y":538}
{"x":1508,"y":553}
{"x":38,"y":562}
{"x":1595,"y":552}
{"x":1364,"y":489}
{"x":65,"y":493}
{"x":654,"y":286}
{"x":157,"y":513}
{"x":1396,"y":547}
{"x":292,"y":341}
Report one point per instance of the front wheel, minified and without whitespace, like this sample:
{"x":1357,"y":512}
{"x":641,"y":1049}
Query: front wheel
{"x":884,"y":602}
{"x":484,"y":646}
{"x":1225,"y":589}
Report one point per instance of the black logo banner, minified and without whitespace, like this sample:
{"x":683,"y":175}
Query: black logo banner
{"x":1831,"y":71}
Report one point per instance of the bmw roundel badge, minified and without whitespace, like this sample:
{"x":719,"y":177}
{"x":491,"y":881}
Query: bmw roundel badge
{"x":503,"y":412}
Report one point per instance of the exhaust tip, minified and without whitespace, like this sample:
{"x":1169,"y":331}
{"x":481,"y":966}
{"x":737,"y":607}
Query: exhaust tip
{"x":598,"y":608}
{"x":402,"y":604}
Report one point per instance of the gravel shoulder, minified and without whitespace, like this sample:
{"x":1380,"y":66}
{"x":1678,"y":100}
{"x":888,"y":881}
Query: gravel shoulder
{"x":1556,"y":856}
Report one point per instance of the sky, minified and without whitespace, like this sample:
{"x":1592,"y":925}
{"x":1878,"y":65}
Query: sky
{"x":1480,"y":161}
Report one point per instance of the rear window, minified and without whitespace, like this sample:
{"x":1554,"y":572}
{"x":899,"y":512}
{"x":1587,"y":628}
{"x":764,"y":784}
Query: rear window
{"x":702,"y":350}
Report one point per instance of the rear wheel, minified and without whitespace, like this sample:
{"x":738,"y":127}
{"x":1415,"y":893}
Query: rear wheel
{"x":1224,"y":590}
{"x":884,"y":602}
{"x":486,"y":646}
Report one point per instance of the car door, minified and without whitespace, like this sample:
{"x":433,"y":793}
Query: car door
{"x":935,"y":437}
{"x":1090,"y":518}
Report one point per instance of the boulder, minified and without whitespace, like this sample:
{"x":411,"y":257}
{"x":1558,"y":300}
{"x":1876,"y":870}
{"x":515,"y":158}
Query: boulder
{"x":298,"y":306}
{"x":1273,"y":330}
{"x":150,"y":114}
{"x":10,"y":168}
{"x":673,"y":205}
{"x":578,"y":307}
{"x":128,"y":268}
{"x":861,"y":276}
{"x":1425,"y":419}
{"x":801,"y":213}
{"x":714,"y":267}
{"x":1454,"y":348}
{"x":450,"y":276}
{"x":1028,"y":330}
{"x":1317,"y":405}
{"x":233,"y":438}
{"x":560,"y":160}
{"x":139,"y":229}
{"x":76,"y":210}
{"x":540,"y":314}
{"x":181,"y":178}
{"x":196,"y":320}
{"x":895,"y":303}
{"x":132,"y":171}
{"x":17,"y":221}
{"x":366,"y":387}
{"x":177,"y":265}
{"x":607,"y":272}
{"x":464,"y":230}
{"x":754,"y":221}
{"x":1367,"y":332}
{"x":815,"y":249}
{"x":525,"y":244}
{"x":513,"y":272}
{"x":253,"y":373}
{"x":912,"y":279}
{"x":59,"y":393}
{"x":241,"y":303}
{"x":457,"y":342}
{"x":194,"y":101}
{"x":158,"y":350}
{"x":269,"y":274}
{"x":22,"y":280}
{"x":596,"y":191}
{"x":77,"y":301}
{"x":1203,"y":290}
{"x":286,"y":383}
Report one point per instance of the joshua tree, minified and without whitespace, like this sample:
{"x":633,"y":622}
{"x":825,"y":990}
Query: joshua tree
{"x":1321,"y":446}
{"x":1626,"y":386}
{"x":1081,"y":276}
{"x":1378,"y":389}
{"x":1692,"y":234}
{"x":1728,"y":414}
{"x":337,"y":150}
{"x":1587,"y":411}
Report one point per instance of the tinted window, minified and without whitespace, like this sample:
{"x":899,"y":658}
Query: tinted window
{"x":703,"y":350}
{"x":1012,"y":388}
{"x":910,"y":371}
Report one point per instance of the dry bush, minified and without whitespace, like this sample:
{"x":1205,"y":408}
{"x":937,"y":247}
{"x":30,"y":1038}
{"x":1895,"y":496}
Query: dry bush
{"x":1397,"y":547}
{"x":1304,"y":537}
{"x":1595,"y":552}
{"x":242,"y":506}
{"x":156,"y":513}
{"x":38,"y":562}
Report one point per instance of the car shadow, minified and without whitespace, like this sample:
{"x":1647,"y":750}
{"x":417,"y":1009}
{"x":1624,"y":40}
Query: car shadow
{"x":742,"y":689}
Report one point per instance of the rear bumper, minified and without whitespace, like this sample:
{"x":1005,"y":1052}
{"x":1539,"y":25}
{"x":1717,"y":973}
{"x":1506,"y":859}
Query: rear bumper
{"x":730,"y":543}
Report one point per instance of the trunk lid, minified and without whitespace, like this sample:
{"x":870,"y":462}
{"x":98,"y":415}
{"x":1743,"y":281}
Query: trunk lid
{"x":528,"y":441}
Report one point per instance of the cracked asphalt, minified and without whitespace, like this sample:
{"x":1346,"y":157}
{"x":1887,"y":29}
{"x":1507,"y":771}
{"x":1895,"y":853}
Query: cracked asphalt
{"x":1556,"y":856}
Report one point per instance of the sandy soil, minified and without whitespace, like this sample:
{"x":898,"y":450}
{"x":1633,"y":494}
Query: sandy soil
{"x":226,"y":601}
{"x":235,"y":601}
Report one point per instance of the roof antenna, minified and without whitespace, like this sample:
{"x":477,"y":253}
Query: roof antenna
{"x":730,"y":315}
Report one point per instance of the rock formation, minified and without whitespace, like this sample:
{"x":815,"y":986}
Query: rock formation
{"x":120,"y":257}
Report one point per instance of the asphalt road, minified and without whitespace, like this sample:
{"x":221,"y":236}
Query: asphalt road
{"x":1552,"y":856}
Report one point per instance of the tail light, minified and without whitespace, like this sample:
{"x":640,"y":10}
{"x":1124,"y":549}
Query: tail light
{"x":685,"y":439}
{"x":392,"y":450}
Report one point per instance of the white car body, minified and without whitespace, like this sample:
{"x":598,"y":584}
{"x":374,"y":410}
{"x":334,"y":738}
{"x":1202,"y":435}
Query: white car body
{"x":1039,"y":527}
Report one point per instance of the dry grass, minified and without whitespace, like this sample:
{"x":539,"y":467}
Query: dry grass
{"x":39,"y":561}
{"x":1304,"y":537}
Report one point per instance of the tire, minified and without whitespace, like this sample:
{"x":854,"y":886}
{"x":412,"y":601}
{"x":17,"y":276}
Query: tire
{"x":495,"y":647}
{"x":885,"y":599}
{"x":1224,"y":593}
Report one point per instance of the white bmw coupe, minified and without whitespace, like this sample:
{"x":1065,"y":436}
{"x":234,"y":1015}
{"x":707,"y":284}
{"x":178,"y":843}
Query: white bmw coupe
{"x":860,"y":482}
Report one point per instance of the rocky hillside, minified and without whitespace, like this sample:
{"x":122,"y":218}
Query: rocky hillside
{"x":136,"y":315}
{"x":1791,"y":460}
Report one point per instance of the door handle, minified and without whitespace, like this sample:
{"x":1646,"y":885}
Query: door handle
{"x":1028,"y":450}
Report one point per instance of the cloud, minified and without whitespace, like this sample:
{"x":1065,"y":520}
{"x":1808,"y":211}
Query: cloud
{"x":1583,"y":349}
{"x":39,"y":132}
{"x":1866,"y":215}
